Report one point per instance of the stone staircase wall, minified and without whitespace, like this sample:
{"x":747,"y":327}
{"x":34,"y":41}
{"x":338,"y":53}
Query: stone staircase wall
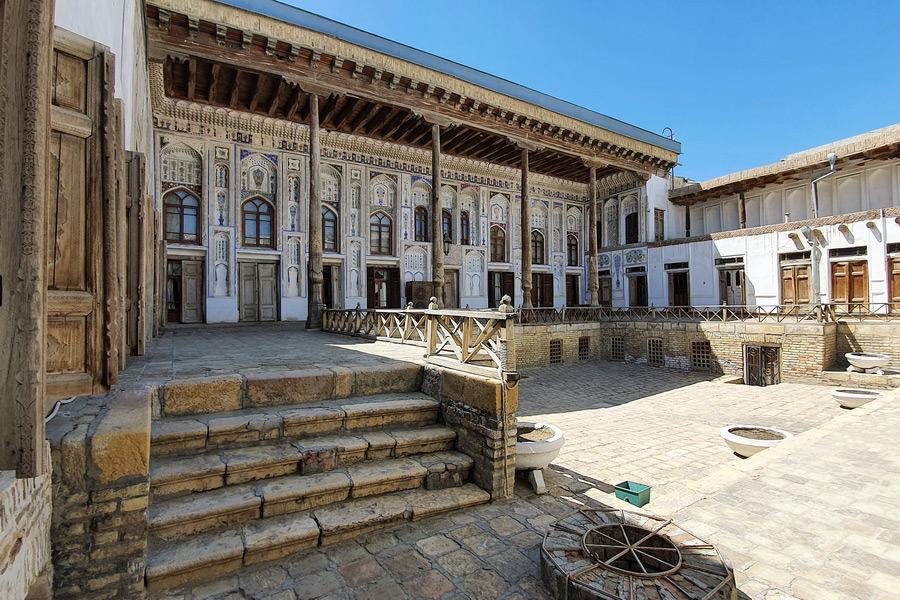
{"x":102,"y":466}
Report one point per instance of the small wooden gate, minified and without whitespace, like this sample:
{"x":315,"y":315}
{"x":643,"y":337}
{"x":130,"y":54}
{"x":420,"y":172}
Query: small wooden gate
{"x":762,"y":365}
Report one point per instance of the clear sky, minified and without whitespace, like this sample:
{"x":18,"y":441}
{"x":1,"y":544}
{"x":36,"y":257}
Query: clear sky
{"x":742,"y":83}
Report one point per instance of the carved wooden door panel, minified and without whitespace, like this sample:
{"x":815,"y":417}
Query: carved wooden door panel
{"x":268,"y":291}
{"x":247,"y":291}
{"x":83,"y":293}
{"x":795,"y":284}
{"x":136,"y":254}
{"x":850,"y":285}
{"x":192,"y":291}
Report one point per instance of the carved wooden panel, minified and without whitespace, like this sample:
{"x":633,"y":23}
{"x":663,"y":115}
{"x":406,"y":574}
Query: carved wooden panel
{"x":268,"y":291}
{"x":70,"y":79}
{"x":67,"y":221}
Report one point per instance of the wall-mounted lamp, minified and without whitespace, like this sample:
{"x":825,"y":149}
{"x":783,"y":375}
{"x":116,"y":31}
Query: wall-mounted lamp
{"x":446,"y":243}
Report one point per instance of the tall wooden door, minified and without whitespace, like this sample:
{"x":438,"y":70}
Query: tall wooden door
{"x":451,"y":288}
{"x":572,"y":296}
{"x":894,"y":281}
{"x":850,"y":284}
{"x":542,"y":290}
{"x":258,"y":291}
{"x":500,"y":284}
{"x":679,"y":289}
{"x":637,"y":290}
{"x":83,"y":288}
{"x":192,"y":291}
{"x":795,"y":284}
{"x":267,"y":278}
{"x":383,"y":287}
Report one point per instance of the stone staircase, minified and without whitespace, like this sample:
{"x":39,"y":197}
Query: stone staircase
{"x":292,"y":469}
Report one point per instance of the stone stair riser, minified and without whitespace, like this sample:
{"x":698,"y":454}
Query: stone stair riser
{"x":216,"y":472}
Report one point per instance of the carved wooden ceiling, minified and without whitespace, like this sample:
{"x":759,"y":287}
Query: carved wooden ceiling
{"x":216,"y":64}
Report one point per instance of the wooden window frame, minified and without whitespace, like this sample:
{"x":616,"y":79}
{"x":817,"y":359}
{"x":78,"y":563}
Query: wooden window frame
{"x":537,"y":248}
{"x":332,"y":214}
{"x":572,"y":250}
{"x":446,"y":225}
{"x":464,"y":228}
{"x":179,"y":209}
{"x":380,"y":223}
{"x":248,"y":242}
{"x":498,"y":244}
{"x":420,"y":219}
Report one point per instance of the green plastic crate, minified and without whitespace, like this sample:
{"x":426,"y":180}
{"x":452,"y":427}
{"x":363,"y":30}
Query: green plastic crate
{"x":633,"y":493}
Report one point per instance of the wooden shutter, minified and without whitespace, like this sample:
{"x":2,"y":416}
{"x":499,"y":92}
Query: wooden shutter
{"x":795,"y":284}
{"x":137,"y":240}
{"x":370,"y":287}
{"x":507,"y":286}
{"x":268,"y":291}
{"x":84,"y":291}
{"x":393,"y":288}
{"x":850,"y":283}
{"x":546,"y":283}
{"x":894,"y":279}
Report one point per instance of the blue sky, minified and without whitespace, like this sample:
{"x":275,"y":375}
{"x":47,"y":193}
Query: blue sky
{"x":742,"y":83}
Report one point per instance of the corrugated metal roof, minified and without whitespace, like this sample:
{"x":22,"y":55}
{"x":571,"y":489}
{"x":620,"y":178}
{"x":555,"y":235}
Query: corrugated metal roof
{"x":308,"y":20}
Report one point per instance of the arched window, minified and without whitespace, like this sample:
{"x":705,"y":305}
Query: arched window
{"x":380,"y":235}
{"x":447,"y":219}
{"x":329,"y":230}
{"x":464,"y":234}
{"x":498,"y":244}
{"x":537,"y":248}
{"x":257,"y":217}
{"x":182,"y":218}
{"x":421,"y":224}
{"x":572,"y":248}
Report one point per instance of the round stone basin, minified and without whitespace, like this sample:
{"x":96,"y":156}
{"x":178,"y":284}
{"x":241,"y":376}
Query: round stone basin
{"x":747,"y":440}
{"x":538,"y":455}
{"x":867,"y":360}
{"x":853,"y":397}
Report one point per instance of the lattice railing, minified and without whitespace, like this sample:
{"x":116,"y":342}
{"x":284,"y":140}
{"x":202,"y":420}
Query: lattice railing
{"x":883,"y":311}
{"x":467,"y":337}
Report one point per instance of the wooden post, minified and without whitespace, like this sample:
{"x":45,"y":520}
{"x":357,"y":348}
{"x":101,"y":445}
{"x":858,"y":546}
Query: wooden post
{"x":593,"y":266}
{"x":437,"y":221}
{"x":26,"y":42}
{"x":526,"y":234}
{"x":742,"y":211}
{"x":687,"y":221}
{"x":316,"y":279}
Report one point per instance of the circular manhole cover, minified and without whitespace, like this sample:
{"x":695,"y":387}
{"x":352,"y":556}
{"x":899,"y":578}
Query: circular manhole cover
{"x":609,"y":554}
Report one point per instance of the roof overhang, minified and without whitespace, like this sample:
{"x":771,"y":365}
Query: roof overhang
{"x":269,"y":61}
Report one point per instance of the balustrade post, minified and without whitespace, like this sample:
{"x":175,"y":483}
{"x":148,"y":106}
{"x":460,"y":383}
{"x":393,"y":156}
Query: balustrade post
{"x":357,"y":320}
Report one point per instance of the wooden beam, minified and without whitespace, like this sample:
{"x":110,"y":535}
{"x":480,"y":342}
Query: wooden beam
{"x":329,"y":107}
{"x":493,"y":146}
{"x":414,"y":132}
{"x":457,"y":132}
{"x":345,"y":112}
{"x":213,"y":83}
{"x":235,"y":90}
{"x":472,"y":142}
{"x":467,"y":135}
{"x":276,"y":97}
{"x":294,"y":103}
{"x":410,"y":122}
{"x":420,"y":139}
{"x":192,"y":78}
{"x":257,"y":93}
{"x":374,"y":116}
{"x":390,"y":127}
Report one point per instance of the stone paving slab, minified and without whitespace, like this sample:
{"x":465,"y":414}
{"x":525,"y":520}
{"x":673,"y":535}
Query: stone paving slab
{"x":816,"y":518}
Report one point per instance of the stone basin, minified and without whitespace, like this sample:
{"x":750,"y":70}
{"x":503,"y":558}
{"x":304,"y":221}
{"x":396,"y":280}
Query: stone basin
{"x":538,"y":455}
{"x":745,"y":446}
{"x":867,"y":360}
{"x":854,"y":397}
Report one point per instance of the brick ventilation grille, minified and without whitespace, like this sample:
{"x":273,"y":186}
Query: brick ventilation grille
{"x":655,"y":357}
{"x":701,"y":356}
{"x":584,"y":348}
{"x":616,"y":348}
{"x":555,"y":352}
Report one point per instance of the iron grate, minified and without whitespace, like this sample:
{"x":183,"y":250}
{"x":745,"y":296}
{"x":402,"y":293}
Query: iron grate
{"x":555,"y":352}
{"x":617,"y":348}
{"x":701,"y":355}
{"x":655,"y":356}
{"x":584,"y":348}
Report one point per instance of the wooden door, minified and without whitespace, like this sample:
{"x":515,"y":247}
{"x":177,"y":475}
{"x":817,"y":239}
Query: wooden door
{"x":136,"y":254}
{"x":191,"y":291}
{"x":605,"y":291}
{"x":679,"y":293}
{"x":383,"y":287}
{"x":894,"y":282}
{"x":731,"y":287}
{"x":451,"y":289}
{"x":84,"y":295}
{"x":507,"y":287}
{"x":850,"y":285}
{"x":572,"y":298}
{"x":267,"y":285}
{"x":544,"y":288}
{"x":637,"y":290}
{"x":795,"y":284}
{"x":247,"y":292}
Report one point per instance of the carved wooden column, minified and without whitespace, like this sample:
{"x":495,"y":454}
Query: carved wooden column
{"x":316,"y":279}
{"x":526,"y":234}
{"x":437,"y":221}
{"x":26,"y":42}
{"x":593,"y":276}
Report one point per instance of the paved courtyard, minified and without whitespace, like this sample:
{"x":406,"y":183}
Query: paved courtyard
{"x":816,"y":518}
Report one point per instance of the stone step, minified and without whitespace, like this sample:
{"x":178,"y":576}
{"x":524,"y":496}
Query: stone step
{"x":214,"y":554}
{"x":205,"y":395}
{"x":178,"y":475}
{"x":250,"y":426}
{"x":234,"y":504}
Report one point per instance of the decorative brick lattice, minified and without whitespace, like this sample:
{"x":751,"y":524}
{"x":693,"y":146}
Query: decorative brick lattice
{"x":655,"y":356}
{"x":617,"y":348}
{"x":584,"y":348}
{"x":555,"y":352}
{"x":701,"y":355}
